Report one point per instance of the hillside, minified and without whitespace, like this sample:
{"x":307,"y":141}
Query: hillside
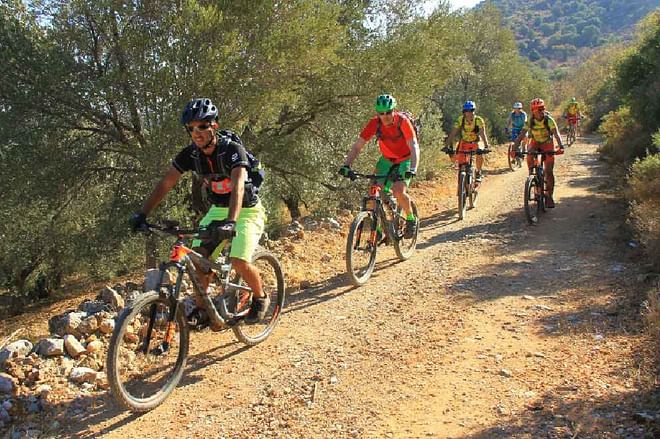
{"x":552,"y":33}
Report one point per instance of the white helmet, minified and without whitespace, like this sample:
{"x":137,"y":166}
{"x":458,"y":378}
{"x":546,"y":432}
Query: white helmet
{"x":517,"y":106}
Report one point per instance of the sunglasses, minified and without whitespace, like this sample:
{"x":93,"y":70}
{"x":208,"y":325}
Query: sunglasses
{"x":385,"y":113}
{"x":198,"y":128}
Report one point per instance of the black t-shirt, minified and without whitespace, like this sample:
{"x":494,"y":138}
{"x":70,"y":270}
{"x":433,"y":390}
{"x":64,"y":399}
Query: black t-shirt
{"x":215,"y":170}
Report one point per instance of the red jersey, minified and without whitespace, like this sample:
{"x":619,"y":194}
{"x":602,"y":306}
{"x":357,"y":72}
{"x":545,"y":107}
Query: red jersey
{"x":393,"y":142}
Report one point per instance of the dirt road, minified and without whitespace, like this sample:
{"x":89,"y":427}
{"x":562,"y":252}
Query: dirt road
{"x":493,"y":329}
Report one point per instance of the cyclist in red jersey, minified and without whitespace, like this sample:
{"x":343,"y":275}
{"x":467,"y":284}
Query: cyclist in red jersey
{"x":398,"y":145}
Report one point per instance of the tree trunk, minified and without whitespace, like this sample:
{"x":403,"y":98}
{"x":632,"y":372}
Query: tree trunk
{"x":293,"y":204}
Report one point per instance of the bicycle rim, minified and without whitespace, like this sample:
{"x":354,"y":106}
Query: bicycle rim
{"x":272,"y":279}
{"x":361,"y":247}
{"x":472,"y":190}
{"x":403,"y":247}
{"x":147,"y":353}
{"x":461,"y":195}
{"x":531,"y":200}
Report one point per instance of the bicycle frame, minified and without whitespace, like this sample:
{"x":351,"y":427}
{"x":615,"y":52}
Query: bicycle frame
{"x":376,"y":194}
{"x":184,"y":259}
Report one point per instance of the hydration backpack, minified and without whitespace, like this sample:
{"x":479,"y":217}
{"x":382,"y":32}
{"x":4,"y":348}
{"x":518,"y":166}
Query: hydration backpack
{"x":402,"y":114}
{"x":256,"y":172}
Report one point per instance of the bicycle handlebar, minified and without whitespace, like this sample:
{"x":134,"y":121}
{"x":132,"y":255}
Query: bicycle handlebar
{"x":172,"y":228}
{"x":555,"y":152}
{"x":392,"y":177}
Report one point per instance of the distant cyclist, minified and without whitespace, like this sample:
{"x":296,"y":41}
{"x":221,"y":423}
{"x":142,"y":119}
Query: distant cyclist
{"x":542,"y":127}
{"x":572,"y":114}
{"x":471,"y":128}
{"x":397,"y":140}
{"x":515,"y":123}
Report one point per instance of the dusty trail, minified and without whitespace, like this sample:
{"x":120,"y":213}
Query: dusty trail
{"x":493,"y":329}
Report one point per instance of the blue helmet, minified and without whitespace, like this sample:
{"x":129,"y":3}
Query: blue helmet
{"x":469,"y":106}
{"x":199,"y":109}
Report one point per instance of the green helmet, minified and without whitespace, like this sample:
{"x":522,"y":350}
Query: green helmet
{"x":573,"y":100}
{"x":385,"y":103}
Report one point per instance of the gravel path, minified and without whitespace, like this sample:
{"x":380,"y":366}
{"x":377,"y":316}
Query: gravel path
{"x":492,"y":329}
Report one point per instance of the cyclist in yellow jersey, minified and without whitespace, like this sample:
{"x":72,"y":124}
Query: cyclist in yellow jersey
{"x":572,"y":114}
{"x":471,"y":128}
{"x":542,"y":128}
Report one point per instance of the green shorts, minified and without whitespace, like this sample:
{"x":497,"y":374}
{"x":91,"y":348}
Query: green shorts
{"x":383,"y":167}
{"x":249,"y":227}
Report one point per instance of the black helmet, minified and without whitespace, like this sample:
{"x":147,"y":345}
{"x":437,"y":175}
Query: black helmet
{"x":199,"y":109}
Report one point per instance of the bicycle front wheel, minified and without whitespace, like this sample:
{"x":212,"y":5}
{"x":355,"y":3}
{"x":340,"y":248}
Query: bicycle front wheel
{"x":272,"y":281}
{"x":405,"y":247}
{"x":511,"y":156}
{"x":462,"y":194}
{"x":147,"y":352}
{"x":533,"y":200}
{"x":361,"y":247}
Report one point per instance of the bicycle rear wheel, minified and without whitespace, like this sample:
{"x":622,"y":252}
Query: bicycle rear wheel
{"x":533,"y":199}
{"x":272,"y":280}
{"x":472,"y":190}
{"x":361,"y":247}
{"x":147,"y":352}
{"x":403,"y":247}
{"x":462,"y":194}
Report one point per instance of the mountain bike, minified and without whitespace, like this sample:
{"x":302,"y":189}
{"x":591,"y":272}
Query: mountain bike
{"x":149,"y":345}
{"x":468,"y":186}
{"x":513,"y":155}
{"x":379,"y":212}
{"x":535,"y":187}
{"x":571,"y":131}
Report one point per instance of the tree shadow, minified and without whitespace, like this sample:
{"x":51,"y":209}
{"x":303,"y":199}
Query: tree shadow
{"x":561,"y":413}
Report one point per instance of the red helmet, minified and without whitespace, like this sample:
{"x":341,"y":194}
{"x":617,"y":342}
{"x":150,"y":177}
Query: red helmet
{"x":538,"y":104}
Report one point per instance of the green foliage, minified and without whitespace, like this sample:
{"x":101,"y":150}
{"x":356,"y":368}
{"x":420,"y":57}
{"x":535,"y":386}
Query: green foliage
{"x":584,"y":24}
{"x":92,"y":92}
{"x":644,"y":184}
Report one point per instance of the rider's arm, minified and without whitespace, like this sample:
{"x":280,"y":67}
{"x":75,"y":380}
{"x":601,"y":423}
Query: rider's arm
{"x":238,"y":177}
{"x":484,"y":137}
{"x":450,"y":138}
{"x":166,"y":183}
{"x":414,"y":153}
{"x":521,"y":136}
{"x":509,"y":122}
{"x":355,"y":151}
{"x":555,"y":133}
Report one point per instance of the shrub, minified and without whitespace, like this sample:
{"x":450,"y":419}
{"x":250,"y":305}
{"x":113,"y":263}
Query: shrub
{"x":622,"y":143}
{"x":644,"y":185}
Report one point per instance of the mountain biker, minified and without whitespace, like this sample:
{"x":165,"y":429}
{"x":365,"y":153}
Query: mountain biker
{"x":542,"y":127}
{"x":471,"y":128}
{"x":572,"y":113}
{"x":222,"y":163}
{"x":516,"y":122}
{"x":399,"y":148}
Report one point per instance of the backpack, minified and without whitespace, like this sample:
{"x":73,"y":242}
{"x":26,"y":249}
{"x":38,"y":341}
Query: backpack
{"x":256,"y":172}
{"x":475,"y":130}
{"x":402,"y":114}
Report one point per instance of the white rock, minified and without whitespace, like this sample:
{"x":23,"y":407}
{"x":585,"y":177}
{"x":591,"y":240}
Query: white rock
{"x":50,"y":347}
{"x":73,"y":347}
{"x":19,"y":348}
{"x":89,"y":325}
{"x":83,"y":375}
{"x":112,"y":298}
{"x":72,"y":321}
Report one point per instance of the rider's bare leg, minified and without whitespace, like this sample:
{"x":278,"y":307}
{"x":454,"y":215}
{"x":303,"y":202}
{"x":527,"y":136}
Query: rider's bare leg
{"x":250,"y":274}
{"x":399,"y":190}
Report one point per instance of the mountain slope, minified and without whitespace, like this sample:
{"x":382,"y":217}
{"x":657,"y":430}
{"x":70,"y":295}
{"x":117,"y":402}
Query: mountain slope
{"x":558,"y":31}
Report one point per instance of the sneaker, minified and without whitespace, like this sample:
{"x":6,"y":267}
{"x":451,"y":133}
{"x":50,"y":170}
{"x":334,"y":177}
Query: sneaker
{"x":257,"y":310}
{"x":198,"y":319}
{"x":480,"y":177}
{"x":549,"y":202}
{"x":411,"y":229}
